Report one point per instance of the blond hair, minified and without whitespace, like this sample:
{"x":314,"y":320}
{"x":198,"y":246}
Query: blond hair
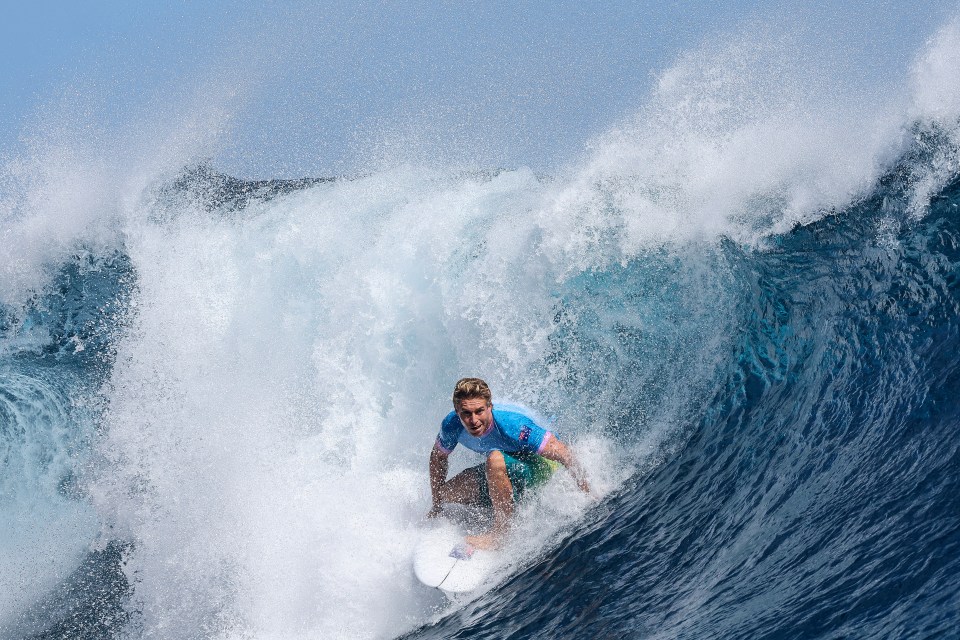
{"x":470,"y":388}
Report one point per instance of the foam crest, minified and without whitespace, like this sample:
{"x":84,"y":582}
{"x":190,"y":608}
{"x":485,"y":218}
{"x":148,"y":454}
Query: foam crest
{"x":936,"y":77}
{"x":738,"y":139}
{"x":53,"y":203}
{"x":79,"y":177}
{"x":936,"y":115}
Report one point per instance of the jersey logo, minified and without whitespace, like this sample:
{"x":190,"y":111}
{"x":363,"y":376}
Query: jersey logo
{"x":524,"y":435}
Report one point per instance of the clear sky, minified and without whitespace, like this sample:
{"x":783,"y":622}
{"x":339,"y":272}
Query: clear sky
{"x":314,"y":88}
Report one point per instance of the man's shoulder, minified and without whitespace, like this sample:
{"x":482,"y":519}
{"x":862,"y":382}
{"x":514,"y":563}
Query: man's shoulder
{"x":513,"y":414}
{"x":450,"y":420}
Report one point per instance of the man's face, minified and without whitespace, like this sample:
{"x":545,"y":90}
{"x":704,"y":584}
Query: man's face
{"x":476,"y":415}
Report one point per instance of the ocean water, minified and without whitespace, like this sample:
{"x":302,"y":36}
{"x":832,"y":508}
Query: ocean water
{"x":217,"y":396}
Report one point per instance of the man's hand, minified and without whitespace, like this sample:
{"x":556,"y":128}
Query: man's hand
{"x":582,"y":483}
{"x":487,"y":541}
{"x":556,"y":450}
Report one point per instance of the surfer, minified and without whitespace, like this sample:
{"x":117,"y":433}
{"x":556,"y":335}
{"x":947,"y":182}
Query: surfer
{"x":520,"y":456}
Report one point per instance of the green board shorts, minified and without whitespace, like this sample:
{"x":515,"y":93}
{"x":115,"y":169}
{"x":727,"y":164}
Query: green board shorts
{"x":524,"y":475}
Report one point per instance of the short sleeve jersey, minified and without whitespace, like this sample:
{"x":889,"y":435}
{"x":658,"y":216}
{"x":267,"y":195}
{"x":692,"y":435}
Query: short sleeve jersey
{"x":512,"y":432}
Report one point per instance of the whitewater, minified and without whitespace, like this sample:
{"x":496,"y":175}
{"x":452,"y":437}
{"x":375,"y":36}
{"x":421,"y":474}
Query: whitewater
{"x":739,"y":305}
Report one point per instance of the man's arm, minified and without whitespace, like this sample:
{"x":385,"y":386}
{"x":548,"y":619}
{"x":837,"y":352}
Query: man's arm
{"x":439,"y":464}
{"x":556,"y":450}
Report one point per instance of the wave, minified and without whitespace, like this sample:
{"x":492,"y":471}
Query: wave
{"x":815,"y":495}
{"x":740,"y":305}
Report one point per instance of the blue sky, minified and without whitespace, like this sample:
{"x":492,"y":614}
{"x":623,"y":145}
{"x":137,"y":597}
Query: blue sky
{"x":321,"y":84}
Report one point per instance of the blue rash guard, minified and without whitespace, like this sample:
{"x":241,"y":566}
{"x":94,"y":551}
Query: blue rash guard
{"x":512,"y":432}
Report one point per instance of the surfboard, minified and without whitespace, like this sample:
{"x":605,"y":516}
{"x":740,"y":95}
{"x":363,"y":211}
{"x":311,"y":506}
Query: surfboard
{"x":442,"y":559}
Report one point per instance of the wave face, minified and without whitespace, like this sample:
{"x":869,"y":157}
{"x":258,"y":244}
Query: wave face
{"x":741,"y":308}
{"x":818,"y":494}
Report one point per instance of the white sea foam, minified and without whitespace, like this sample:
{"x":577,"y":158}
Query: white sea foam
{"x":742,"y":138}
{"x":936,"y":108}
{"x":936,"y":77}
{"x":277,"y":396}
{"x":52,"y":202}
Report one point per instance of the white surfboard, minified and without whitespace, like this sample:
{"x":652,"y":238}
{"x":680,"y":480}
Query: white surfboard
{"x":443,"y":559}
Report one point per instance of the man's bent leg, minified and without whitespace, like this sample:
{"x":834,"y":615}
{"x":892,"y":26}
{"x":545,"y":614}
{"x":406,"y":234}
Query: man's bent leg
{"x":501,"y":492}
{"x":501,"y":496}
{"x":463,"y":488}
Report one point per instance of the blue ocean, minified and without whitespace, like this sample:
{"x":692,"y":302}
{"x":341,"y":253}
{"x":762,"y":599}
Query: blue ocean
{"x":740,"y":306}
